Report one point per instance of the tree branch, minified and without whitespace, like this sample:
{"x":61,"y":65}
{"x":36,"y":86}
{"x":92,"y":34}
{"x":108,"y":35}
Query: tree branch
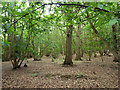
{"x":94,"y":29}
{"x":81,"y":6}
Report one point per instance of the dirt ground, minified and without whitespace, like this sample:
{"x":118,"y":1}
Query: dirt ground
{"x":47,"y":74}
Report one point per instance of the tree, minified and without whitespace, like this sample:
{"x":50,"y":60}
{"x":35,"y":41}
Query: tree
{"x":68,"y":57}
{"x":30,"y":31}
{"x":78,"y":43}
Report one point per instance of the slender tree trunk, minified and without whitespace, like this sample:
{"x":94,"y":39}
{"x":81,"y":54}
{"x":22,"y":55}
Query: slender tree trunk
{"x":36,"y":54}
{"x":62,"y":45}
{"x":25,"y":52}
{"x":9,"y":39}
{"x":5,"y":50}
{"x":78,"y":54}
{"x":68,"y":57}
{"x":33,"y":46}
{"x":15,"y":62}
{"x":9,"y":53}
{"x":82,"y":53}
{"x":40,"y":53}
{"x":114,"y":30}
{"x":21,"y":40}
{"x":90,"y":55}
{"x":114,"y":27}
{"x":101,"y":54}
{"x":27,"y":41}
{"x":74,"y":49}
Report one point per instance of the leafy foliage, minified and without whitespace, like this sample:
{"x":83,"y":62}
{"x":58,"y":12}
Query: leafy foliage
{"x":40,"y":29}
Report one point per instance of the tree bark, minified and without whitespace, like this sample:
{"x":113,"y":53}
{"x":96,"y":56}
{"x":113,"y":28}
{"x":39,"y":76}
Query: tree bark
{"x":7,"y":50}
{"x":78,"y":54}
{"x":90,"y":54}
{"x":68,"y":57}
{"x":21,"y":40}
{"x":15,"y":62}
{"x":25,"y":54}
{"x":114,"y":30}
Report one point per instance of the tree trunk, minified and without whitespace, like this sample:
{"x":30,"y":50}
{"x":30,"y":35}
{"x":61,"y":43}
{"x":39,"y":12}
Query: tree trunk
{"x":68,"y":57}
{"x":21,"y":40}
{"x":25,"y":52}
{"x":7,"y":50}
{"x":78,"y":32}
{"x":114,"y":30}
{"x":63,"y":44}
{"x":36,"y":55}
{"x":15,"y":62}
{"x":5,"y":58}
{"x":9,"y":39}
{"x":101,"y":54}
{"x":90,"y":54}
{"x":82,"y":53}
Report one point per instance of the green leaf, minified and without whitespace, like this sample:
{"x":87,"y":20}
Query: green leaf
{"x":80,"y":75}
{"x":112,"y":21}
{"x":7,"y":25}
{"x":2,"y":43}
{"x":30,"y":12}
{"x":100,"y":6}
{"x":89,"y":8}
{"x":15,"y":33}
{"x":4,"y":19}
{"x":119,"y":20}
{"x":49,"y":9}
{"x":9,"y":11}
{"x":33,"y":74}
{"x":16,"y":13}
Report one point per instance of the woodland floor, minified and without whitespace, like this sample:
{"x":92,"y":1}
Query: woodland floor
{"x":47,"y":74}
